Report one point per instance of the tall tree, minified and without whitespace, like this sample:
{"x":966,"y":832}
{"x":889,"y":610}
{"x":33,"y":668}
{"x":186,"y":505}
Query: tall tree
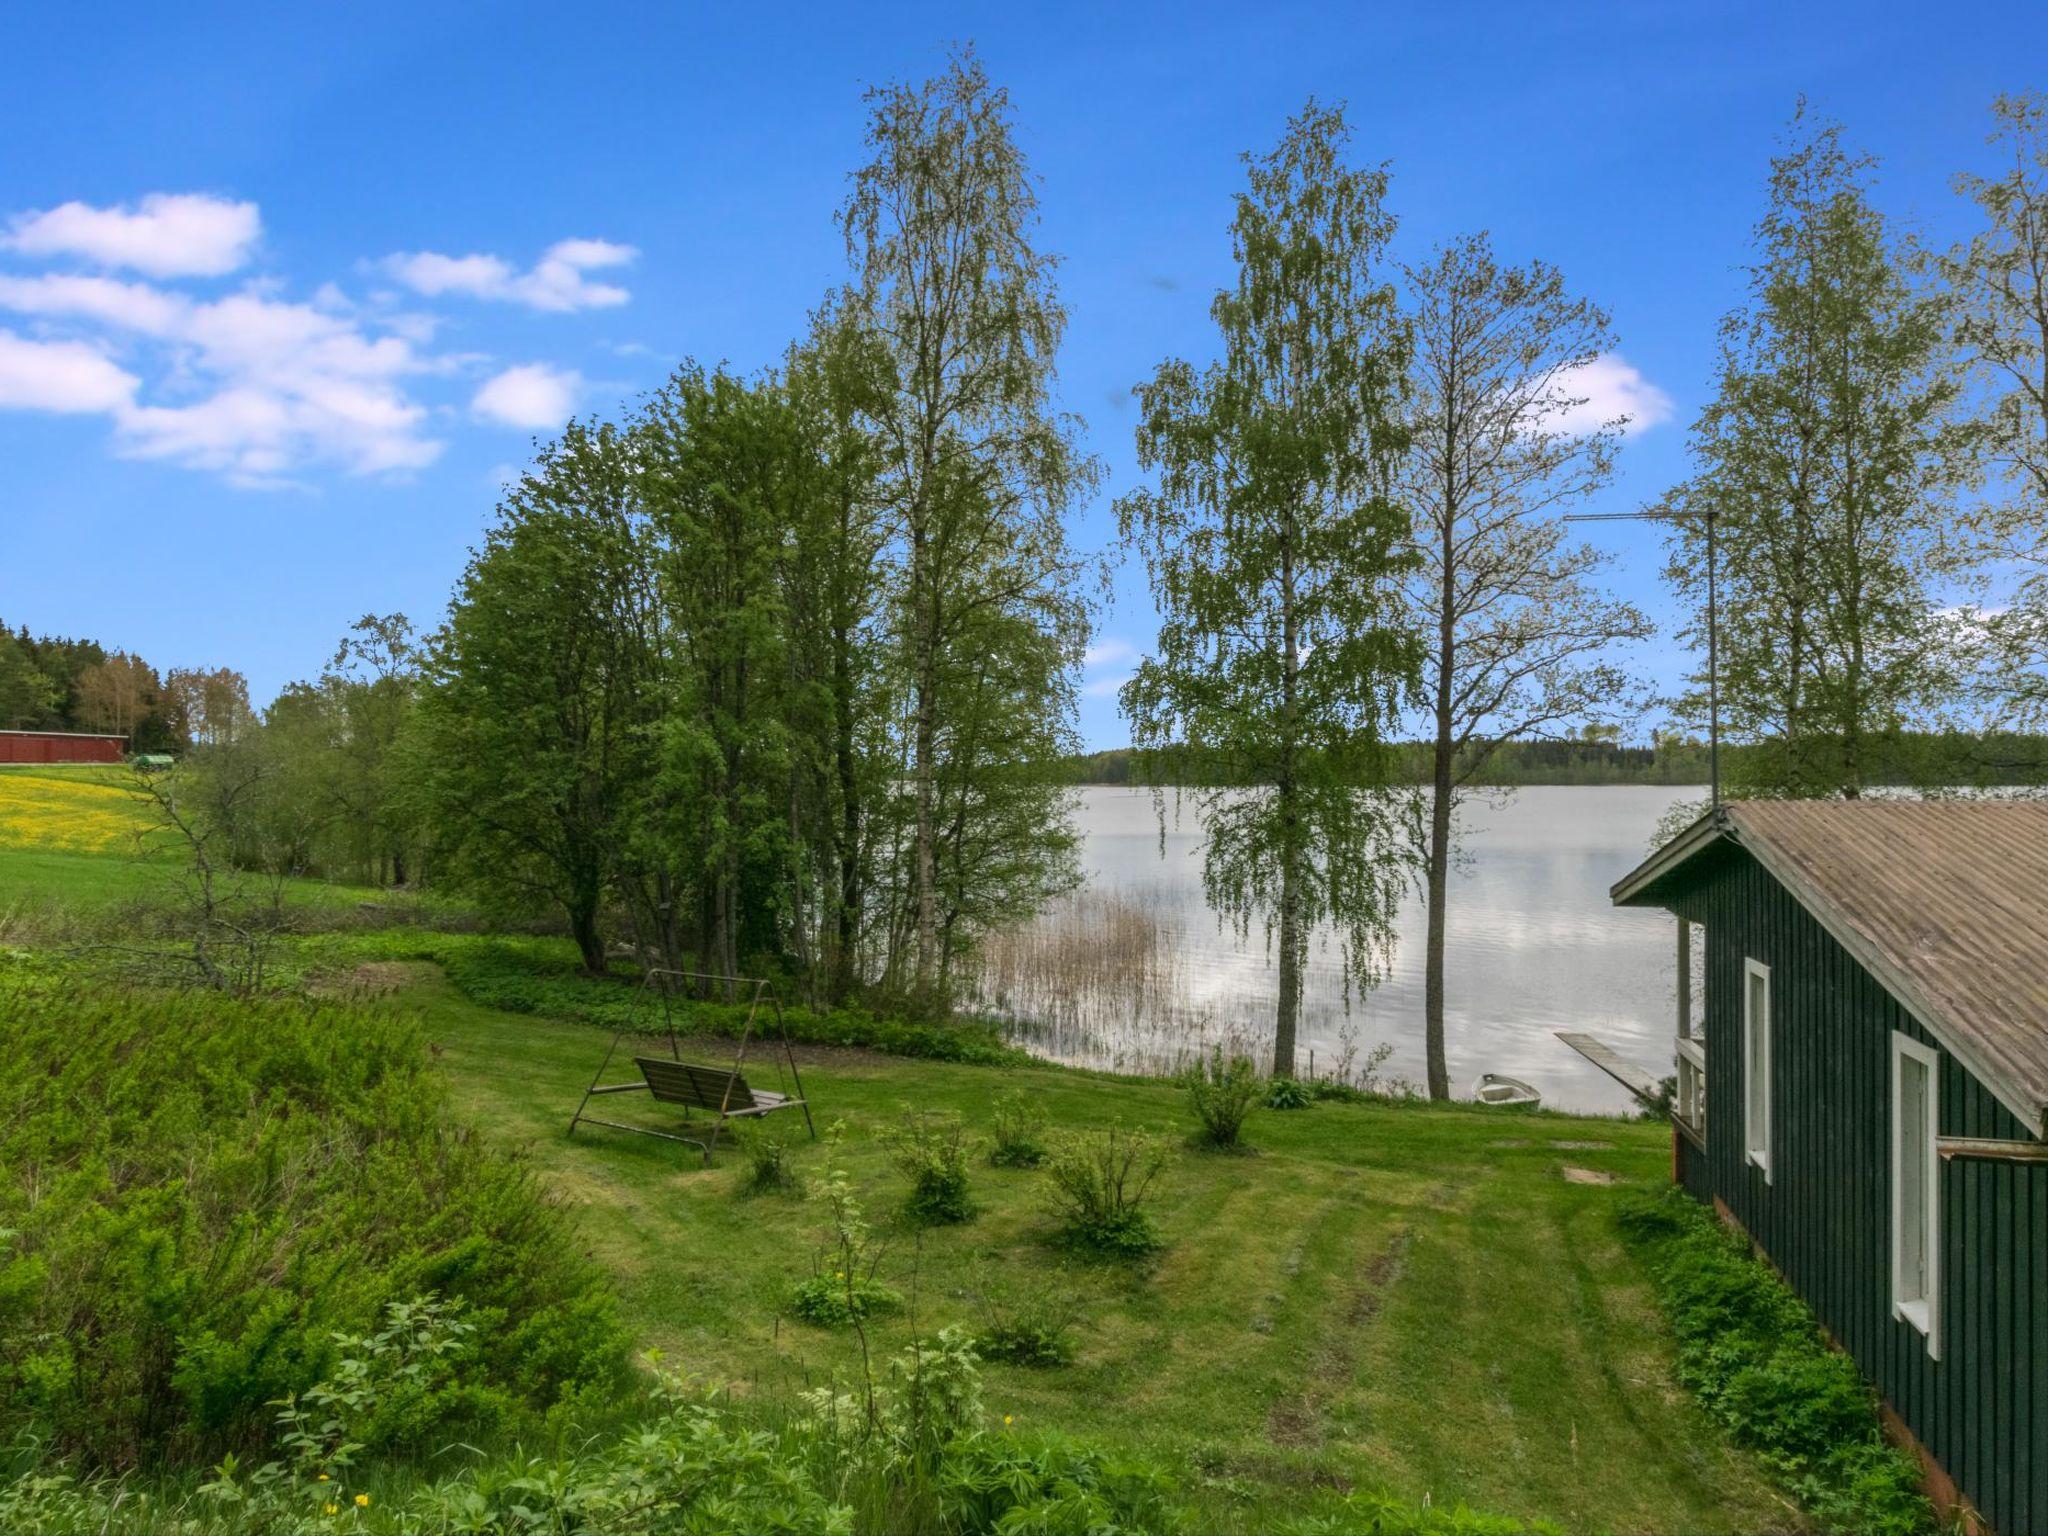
{"x":715,"y":468}
{"x":26,"y":693}
{"x":536,"y":723}
{"x":1276,"y":556}
{"x":2000,"y":281}
{"x":835,"y":579}
{"x":1829,"y":457}
{"x":976,"y":466}
{"x":1519,"y":638}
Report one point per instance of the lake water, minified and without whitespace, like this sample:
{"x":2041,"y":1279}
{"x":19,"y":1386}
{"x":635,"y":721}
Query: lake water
{"x":1135,"y":972}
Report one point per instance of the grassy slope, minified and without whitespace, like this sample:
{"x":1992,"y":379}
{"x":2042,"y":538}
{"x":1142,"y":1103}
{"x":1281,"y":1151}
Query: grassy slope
{"x":79,"y":840}
{"x":1398,"y":1294}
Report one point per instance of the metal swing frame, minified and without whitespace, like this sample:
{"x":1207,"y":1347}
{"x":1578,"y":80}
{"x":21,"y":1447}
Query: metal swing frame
{"x":721,"y":1091}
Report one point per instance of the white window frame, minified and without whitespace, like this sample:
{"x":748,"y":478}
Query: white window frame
{"x":1756,"y":1085}
{"x":1924,"y":1312}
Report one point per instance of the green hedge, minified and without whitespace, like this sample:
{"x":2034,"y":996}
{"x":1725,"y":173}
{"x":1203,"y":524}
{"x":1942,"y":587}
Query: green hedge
{"x":197,"y":1192}
{"x":1758,"y":1361}
{"x":542,"y":976}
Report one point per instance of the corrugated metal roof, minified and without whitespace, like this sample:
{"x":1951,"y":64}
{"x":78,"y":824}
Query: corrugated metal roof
{"x":1944,"y":901}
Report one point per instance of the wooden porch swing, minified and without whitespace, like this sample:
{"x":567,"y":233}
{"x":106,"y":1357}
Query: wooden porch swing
{"x":722,"y":1092}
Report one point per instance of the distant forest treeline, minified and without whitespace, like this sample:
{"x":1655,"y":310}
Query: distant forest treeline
{"x":1910,"y":758}
{"x":56,"y":683}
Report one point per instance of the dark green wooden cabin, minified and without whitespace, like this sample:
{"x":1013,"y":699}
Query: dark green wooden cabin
{"x":1864,"y":1089}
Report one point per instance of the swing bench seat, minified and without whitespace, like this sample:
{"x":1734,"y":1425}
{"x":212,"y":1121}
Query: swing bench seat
{"x":722,"y":1093}
{"x":695,"y":1087}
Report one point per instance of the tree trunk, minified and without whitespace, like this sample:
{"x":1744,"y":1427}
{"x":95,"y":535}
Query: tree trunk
{"x":925,"y":769}
{"x":584,"y":929}
{"x":1292,"y":939}
{"x":846,"y":956}
{"x":1439,"y":879}
{"x":1441,"y":795}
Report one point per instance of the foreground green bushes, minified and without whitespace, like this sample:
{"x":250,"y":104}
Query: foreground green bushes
{"x":910,"y":1453}
{"x":197,"y":1193}
{"x":1752,"y":1352}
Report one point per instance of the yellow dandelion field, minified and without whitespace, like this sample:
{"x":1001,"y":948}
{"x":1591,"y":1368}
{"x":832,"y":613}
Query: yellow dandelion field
{"x":79,"y":811}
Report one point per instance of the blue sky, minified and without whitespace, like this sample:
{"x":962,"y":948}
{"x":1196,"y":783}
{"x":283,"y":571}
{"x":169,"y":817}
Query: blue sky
{"x":284,"y":290}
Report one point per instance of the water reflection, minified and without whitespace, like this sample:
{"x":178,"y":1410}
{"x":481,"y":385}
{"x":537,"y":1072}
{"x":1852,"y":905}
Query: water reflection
{"x":1135,"y":972}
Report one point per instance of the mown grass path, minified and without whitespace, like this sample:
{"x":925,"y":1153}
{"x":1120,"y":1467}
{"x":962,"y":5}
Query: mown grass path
{"x":1394,"y":1294}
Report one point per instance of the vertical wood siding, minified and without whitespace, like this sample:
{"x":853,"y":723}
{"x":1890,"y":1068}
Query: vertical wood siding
{"x":1825,"y":1218}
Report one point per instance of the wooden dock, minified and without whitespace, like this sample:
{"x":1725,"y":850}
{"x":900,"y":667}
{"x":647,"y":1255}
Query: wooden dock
{"x":1598,"y":1052}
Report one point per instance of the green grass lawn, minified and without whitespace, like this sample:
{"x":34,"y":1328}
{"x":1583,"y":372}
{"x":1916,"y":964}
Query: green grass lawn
{"x":1388,"y":1294}
{"x":1385,"y":1294}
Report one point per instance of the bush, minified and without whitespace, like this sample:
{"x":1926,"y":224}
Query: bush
{"x":1381,"y":1514}
{"x":1221,"y":1093}
{"x":1053,"y":1486}
{"x":1097,"y":1184}
{"x":201,"y":1192}
{"x":545,"y":978}
{"x":932,"y":1150}
{"x":1028,"y":1322}
{"x":1760,"y":1365}
{"x":838,"y":1299}
{"x":1290,"y":1093}
{"x":1016,"y":1131}
{"x":769,"y":1170}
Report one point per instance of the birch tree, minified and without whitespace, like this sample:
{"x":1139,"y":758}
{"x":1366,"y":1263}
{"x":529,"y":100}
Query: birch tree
{"x":1519,"y":638}
{"x":977,"y":467}
{"x":1275,"y":556}
{"x":2000,"y":282}
{"x":1829,"y":457}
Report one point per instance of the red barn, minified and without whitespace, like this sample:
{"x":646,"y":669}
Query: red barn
{"x":60,"y":747}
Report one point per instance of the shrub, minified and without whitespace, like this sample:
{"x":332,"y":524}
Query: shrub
{"x":1097,"y":1183}
{"x":837,"y":1299}
{"x":1028,"y":1322}
{"x":1053,"y":1486}
{"x":1221,"y":1092}
{"x":769,"y":1170}
{"x":1371,"y":1513}
{"x":1290,"y":1093}
{"x":1760,"y":1365}
{"x":204,"y":1191}
{"x":932,"y":1149}
{"x":1016,"y":1132}
{"x":544,"y":977}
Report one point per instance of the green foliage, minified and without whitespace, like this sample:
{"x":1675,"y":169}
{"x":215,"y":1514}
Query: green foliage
{"x":769,"y":1170}
{"x":1097,"y":1184}
{"x":1222,"y":1092}
{"x":1016,"y":1132}
{"x":1274,"y":550}
{"x":1055,"y":1486}
{"x":1830,"y":459}
{"x":931,"y":1148}
{"x":204,"y":1191}
{"x":543,"y":977}
{"x":1752,"y":1352}
{"x":1374,"y":1513}
{"x":1290,"y":1093}
{"x":837,"y":1299}
{"x":1027,"y":1320}
{"x":977,"y":467}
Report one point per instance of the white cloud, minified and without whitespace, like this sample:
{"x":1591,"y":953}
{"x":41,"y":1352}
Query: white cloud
{"x":187,"y":234}
{"x":60,"y":376}
{"x":1609,"y":388}
{"x":277,"y":384}
{"x":254,"y":384}
{"x":556,"y":282}
{"x":532,"y":396}
{"x":1107,"y":666}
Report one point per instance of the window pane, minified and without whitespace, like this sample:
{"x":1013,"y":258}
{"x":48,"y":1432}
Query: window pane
{"x":1913,"y":1192}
